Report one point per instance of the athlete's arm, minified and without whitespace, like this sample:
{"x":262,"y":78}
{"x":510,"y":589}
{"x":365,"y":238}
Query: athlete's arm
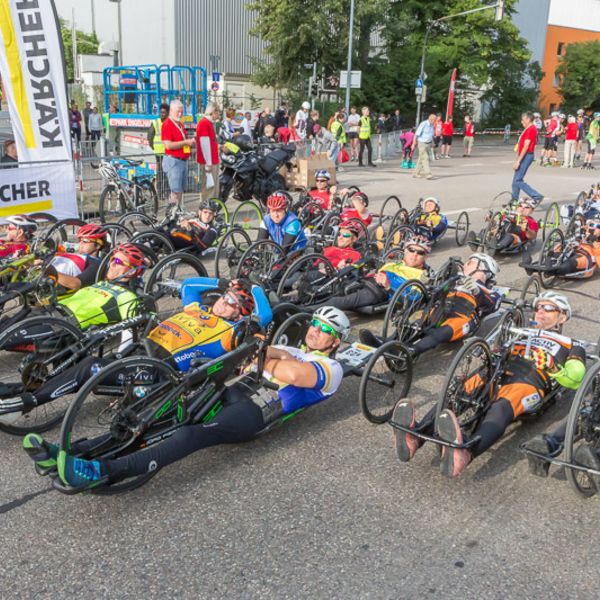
{"x":293,"y":372}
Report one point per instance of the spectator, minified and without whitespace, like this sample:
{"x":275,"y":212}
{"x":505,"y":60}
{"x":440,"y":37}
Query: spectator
{"x":10,"y":159}
{"x":313,"y":120}
{"x":96,"y":124}
{"x":407,"y":139}
{"x":339,"y":133}
{"x":178,"y":148}
{"x":580,"y":133}
{"x":550,"y":140}
{"x":229,"y":126}
{"x":469,"y":136}
{"x":364,"y":138}
{"x":381,"y":125}
{"x":300,"y":122}
{"x":525,"y":150}
{"x":571,"y":133}
{"x":397,"y":120}
{"x":207,"y":151}
{"x":87,"y":111}
{"x":265,"y":118}
{"x":352,"y":127}
{"x":75,"y":122}
{"x":592,"y":137}
{"x":424,"y":138}
{"x":447,"y":133}
{"x":437,"y":135}
{"x":282,"y":115}
{"x":245,"y":124}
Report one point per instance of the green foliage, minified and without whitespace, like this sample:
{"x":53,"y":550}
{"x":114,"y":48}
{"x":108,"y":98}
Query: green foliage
{"x":86,"y":44}
{"x":580,"y":73}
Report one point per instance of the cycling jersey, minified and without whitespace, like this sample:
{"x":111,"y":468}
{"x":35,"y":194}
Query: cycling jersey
{"x":290,"y":227}
{"x":82,"y":266}
{"x":202,"y":235}
{"x":352,"y":213}
{"x":337,"y":255}
{"x":515,"y":227}
{"x":439,"y":224}
{"x":322,"y":197}
{"x":101,"y":304}
{"x":14,"y":249}
{"x":398,"y":273}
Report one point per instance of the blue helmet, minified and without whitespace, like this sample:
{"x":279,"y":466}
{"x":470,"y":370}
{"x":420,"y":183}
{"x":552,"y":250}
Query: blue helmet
{"x":322,"y":174}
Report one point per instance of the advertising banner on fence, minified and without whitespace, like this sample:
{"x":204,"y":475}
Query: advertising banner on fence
{"x":38,"y":188}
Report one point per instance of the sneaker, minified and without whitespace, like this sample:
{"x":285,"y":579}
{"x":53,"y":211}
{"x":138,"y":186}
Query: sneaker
{"x":454,"y":460}
{"x":369,"y":338}
{"x":542,"y":444}
{"x":418,"y":176}
{"x":586,"y":456}
{"x":9,"y":390}
{"x":430,"y":177}
{"x":11,"y":409}
{"x":406,"y":444}
{"x":77,"y":472}
{"x":40,"y":451}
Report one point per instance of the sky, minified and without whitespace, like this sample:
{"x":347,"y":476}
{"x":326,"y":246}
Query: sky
{"x":105,"y":16}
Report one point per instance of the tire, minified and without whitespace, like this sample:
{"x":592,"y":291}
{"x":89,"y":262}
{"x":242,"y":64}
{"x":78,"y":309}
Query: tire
{"x":146,"y":199}
{"x":583,"y":425}
{"x":329,"y":228}
{"x":221,"y":220}
{"x":310,"y":214}
{"x":400,"y":218}
{"x":386,"y":378}
{"x":397,"y":237}
{"x":95,"y":411}
{"x":62,"y":231}
{"x":112,"y":204}
{"x":553,"y":247}
{"x":165,"y":279}
{"x":452,"y":396}
{"x":261,"y":263}
{"x":293,"y":330}
{"x":551,"y":220}
{"x":531,"y":290}
{"x":400,"y":316}
{"x":229,"y":251}
{"x":500,"y":335}
{"x":298,"y":284}
{"x":390,"y":207}
{"x":137,"y":221}
{"x":489,"y":239}
{"x":117,"y":234}
{"x":575,"y":225}
{"x":157,"y":241}
{"x":35,"y":367}
{"x":248,"y":217}
{"x":461,"y":230}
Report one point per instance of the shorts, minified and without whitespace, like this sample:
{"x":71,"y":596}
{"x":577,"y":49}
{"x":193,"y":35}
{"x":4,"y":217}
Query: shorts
{"x":591,"y":147}
{"x":523,"y":397}
{"x":461,"y":326}
{"x":352,"y":135}
{"x":549,"y":143}
{"x":448,"y":140}
{"x":436,"y":140}
{"x":176,"y":170}
{"x":468,"y":142}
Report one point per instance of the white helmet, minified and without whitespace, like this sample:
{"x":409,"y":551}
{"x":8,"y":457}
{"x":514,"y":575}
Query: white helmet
{"x":306,"y":105}
{"x":558,"y":300}
{"x":561,"y":116}
{"x":486,"y":264}
{"x":537,"y":115}
{"x":434,"y":200}
{"x":580,"y":111}
{"x":22,"y":222}
{"x":335,"y":318}
{"x":527,"y":202}
{"x":554,"y":114}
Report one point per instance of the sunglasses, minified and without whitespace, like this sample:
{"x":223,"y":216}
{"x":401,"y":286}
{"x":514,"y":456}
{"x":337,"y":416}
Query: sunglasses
{"x":416,"y":251}
{"x":321,"y":180}
{"x":89,"y":241}
{"x":118,"y":261}
{"x":324,"y":328}
{"x":546,"y":308}
{"x":345,"y":235}
{"x":231,"y":299}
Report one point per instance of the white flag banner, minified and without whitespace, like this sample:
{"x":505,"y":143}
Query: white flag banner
{"x":38,"y":188}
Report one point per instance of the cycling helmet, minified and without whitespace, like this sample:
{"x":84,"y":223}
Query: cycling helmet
{"x":537,"y":115}
{"x":243,"y":296}
{"x":208,"y":205}
{"x":361,"y":196}
{"x":554,"y":114}
{"x":335,"y":318}
{"x":352,"y":227}
{"x":306,"y":105}
{"x":558,"y":300}
{"x":278,"y":201}
{"x":527,"y":203}
{"x":486,"y":264}
{"x":421,"y":241}
{"x":22,"y":222}
{"x":561,"y":116}
{"x":434,"y":200}
{"x":135,"y":257}
{"x":92,"y":231}
{"x":596,"y":115}
{"x":323,"y":174}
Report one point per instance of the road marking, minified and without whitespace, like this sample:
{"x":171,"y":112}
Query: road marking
{"x":507,"y":162}
{"x":459,"y":210}
{"x":471,"y":165}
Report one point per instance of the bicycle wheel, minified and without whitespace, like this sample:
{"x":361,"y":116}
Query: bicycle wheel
{"x":575,"y":225}
{"x":157,"y":241}
{"x":386,"y":378}
{"x":531,"y":290}
{"x":329,"y":228}
{"x":391,"y":205}
{"x":461,"y":228}
{"x":490,"y":235}
{"x":405,"y":314}
{"x":117,"y":234}
{"x":118,"y":410}
{"x":400,"y":218}
{"x":308,"y":280}
{"x":293,"y":330}
{"x":32,"y":352}
{"x":165,"y":279}
{"x":112,"y":203}
{"x":397,"y":237}
{"x":229,"y":251}
{"x":248,"y":217}
{"x":146,"y":199}
{"x":136,"y":221}
{"x":552,"y":249}
{"x":60,"y":232}
{"x":551,"y":220}
{"x":501,"y":334}
{"x":465,"y":390}
{"x":583,"y":425}
{"x":262,"y":262}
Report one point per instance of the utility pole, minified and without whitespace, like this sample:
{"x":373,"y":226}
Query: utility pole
{"x":93,"y":18}
{"x":74,"y":45}
{"x":349,"y":63}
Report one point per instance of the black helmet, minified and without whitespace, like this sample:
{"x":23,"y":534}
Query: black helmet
{"x":209,"y":205}
{"x":243,"y":141}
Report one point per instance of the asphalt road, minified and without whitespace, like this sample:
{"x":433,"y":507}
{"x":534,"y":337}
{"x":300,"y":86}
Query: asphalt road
{"x":321,"y":508}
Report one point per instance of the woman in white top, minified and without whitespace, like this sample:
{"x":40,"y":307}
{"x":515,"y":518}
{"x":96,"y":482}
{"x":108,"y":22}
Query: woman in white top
{"x":352,"y":127}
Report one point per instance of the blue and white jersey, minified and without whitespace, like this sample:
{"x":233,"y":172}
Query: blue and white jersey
{"x":290,"y":225}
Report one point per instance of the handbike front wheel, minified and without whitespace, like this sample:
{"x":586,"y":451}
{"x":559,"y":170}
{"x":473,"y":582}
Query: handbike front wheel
{"x":385,"y":380}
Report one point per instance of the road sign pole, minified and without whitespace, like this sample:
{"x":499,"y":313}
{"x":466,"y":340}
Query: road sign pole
{"x":349,"y":67}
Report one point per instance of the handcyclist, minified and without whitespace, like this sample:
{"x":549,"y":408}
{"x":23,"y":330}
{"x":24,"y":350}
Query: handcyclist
{"x":301,"y":378}
{"x":359,"y":210}
{"x":431,"y":220}
{"x":323,"y":193}
{"x":19,"y":233}
{"x":467,"y":303}
{"x":281,"y":225}
{"x":342,"y":253}
{"x":538,"y":359}
{"x":195,"y":333}
{"x":379,"y":287}
{"x":197,"y":231}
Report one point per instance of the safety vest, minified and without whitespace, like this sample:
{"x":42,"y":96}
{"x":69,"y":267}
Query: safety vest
{"x":159,"y":146}
{"x":364,"y":133}
{"x":101,"y":304}
{"x":340,"y":136}
{"x":106,"y":122}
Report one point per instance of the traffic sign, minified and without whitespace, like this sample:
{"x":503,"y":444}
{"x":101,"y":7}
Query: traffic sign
{"x":214,"y":86}
{"x":216,"y":76}
{"x":419,"y":83}
{"x":355,"y":79}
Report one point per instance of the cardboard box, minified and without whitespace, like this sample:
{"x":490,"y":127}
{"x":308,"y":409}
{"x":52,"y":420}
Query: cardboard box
{"x":307,"y":167}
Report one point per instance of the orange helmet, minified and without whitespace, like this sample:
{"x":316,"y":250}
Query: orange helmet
{"x":277,"y":201}
{"x":243,"y":296}
{"x":91,"y":231}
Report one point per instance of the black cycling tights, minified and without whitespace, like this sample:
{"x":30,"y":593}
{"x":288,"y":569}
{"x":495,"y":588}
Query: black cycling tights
{"x":567,"y":267}
{"x":239,"y":421}
{"x":505,"y":242}
{"x":433,"y":337}
{"x":367,"y":296}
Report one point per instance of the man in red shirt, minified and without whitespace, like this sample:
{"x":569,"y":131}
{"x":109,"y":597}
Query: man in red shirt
{"x":469,"y":136}
{"x":343,"y":253}
{"x":523,"y":226}
{"x":447,"y":133}
{"x":571,"y":134}
{"x":525,"y":151}
{"x":178,"y":148}
{"x":208,"y":151}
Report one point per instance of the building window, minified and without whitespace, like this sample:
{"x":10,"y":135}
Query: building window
{"x":560,"y":48}
{"x":552,"y":108}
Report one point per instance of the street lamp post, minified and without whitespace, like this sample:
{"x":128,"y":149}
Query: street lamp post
{"x":349,"y":64}
{"x":120,"y":30}
{"x":498,"y":6}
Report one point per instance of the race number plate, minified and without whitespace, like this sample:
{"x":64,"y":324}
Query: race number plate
{"x":356,"y":355}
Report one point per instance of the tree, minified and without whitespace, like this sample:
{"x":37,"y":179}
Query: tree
{"x":579,"y":70}
{"x":86,"y":44}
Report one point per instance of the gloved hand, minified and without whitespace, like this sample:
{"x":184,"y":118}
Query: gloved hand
{"x":470,"y":286}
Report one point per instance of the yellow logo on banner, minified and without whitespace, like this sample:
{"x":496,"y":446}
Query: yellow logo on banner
{"x":16,"y":72}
